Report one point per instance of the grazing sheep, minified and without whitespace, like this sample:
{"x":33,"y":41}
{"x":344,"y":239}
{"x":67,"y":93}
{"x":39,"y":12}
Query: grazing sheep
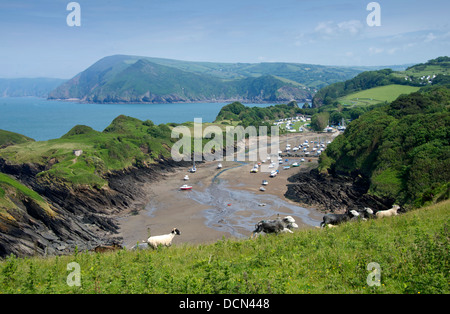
{"x":275,"y":226}
{"x":165,"y":239}
{"x":389,"y":212}
{"x":336,"y":219}
{"x":368,"y":213}
{"x":364,"y":214}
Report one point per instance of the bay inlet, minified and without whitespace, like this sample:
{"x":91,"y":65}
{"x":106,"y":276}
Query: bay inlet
{"x":43,"y":119}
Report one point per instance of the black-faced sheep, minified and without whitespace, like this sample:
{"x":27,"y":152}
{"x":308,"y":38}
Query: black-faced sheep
{"x":336,"y":219}
{"x":165,"y":239}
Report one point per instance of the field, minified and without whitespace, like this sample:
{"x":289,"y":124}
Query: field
{"x":377,"y":95}
{"x":410,"y":250}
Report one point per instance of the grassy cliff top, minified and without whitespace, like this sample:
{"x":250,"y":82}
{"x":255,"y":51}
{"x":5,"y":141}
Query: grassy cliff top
{"x":125,"y":142}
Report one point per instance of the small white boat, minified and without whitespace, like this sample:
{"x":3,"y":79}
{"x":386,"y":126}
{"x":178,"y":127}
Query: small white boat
{"x":186,"y":177}
{"x":273,"y":174}
{"x":265,"y":182}
{"x":254,"y":170}
{"x":262,"y":189}
{"x":186,"y":187}
{"x":286,"y":167}
{"x":295,"y":164}
{"x":219,"y":166}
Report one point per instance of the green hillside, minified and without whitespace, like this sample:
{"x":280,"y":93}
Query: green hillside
{"x":122,"y":78}
{"x":411,"y":251}
{"x":434,"y":72}
{"x":10,"y":138}
{"x":402,"y":148}
{"x":125,"y":142}
{"x":377,"y":95}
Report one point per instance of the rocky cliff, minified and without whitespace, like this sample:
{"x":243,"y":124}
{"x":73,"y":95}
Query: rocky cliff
{"x":333,"y":193}
{"x":83,"y":217}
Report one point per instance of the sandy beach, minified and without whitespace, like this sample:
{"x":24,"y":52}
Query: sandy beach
{"x":223,"y":202}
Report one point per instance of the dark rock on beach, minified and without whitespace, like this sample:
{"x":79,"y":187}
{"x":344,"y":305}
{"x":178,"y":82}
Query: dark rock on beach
{"x":332,"y":192}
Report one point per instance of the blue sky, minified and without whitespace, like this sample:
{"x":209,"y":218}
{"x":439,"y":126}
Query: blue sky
{"x":35,"y":40}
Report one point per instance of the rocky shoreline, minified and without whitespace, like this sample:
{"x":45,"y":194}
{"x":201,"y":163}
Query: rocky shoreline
{"x":332,"y":192}
{"x":85,"y":216}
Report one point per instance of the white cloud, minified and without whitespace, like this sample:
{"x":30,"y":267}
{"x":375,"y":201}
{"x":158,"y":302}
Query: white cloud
{"x":375,"y":50}
{"x":332,"y":29}
{"x":325,"y":28}
{"x":430,"y":37}
{"x":353,"y":26}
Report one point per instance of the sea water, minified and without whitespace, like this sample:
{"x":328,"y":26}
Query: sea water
{"x":43,"y":119}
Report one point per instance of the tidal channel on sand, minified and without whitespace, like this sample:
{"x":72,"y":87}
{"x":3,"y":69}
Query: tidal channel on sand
{"x":237,"y":211}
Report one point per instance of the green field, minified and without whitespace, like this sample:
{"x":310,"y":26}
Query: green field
{"x":411,"y":250}
{"x":377,"y":95}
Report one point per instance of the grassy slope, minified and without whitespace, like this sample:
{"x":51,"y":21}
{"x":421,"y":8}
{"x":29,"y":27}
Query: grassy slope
{"x":411,"y":249}
{"x":11,"y":191}
{"x":10,"y":138}
{"x":377,"y":95}
{"x":126,"y":142}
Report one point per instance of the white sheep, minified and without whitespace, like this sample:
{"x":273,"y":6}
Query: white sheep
{"x":389,"y":212}
{"x":165,"y":239}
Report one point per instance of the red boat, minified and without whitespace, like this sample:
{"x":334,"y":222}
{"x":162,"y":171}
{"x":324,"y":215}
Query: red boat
{"x":186,"y":187}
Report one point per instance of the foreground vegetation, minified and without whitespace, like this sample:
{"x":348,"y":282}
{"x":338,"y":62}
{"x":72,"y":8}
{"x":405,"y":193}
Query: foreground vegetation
{"x":412,"y":251}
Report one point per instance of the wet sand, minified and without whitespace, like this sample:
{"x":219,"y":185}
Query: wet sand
{"x":223,"y":202}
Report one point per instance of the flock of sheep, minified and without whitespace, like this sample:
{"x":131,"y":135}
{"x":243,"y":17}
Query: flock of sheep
{"x":332,"y":220}
{"x":280,"y":225}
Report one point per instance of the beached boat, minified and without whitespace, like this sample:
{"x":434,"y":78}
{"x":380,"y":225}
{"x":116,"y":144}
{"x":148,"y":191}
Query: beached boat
{"x":186,"y":177}
{"x":262,"y":189}
{"x":273,"y":174}
{"x":286,"y":167}
{"x":186,"y":187}
{"x":295,"y":164}
{"x":254,"y":170}
{"x":193,"y":169}
{"x":219,"y":166}
{"x":265,"y":182}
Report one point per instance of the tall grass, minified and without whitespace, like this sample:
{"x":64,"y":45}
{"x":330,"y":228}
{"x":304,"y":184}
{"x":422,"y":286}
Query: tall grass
{"x":412,"y":251}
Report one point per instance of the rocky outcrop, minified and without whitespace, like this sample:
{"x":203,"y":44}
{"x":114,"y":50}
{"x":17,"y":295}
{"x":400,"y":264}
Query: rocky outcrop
{"x":333,"y":193}
{"x":85,"y":216}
